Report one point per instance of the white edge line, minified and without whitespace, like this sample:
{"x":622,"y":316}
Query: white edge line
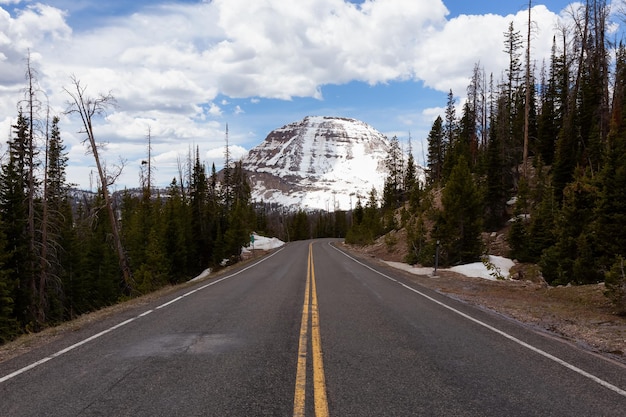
{"x":568,"y":365}
{"x":124,"y":323}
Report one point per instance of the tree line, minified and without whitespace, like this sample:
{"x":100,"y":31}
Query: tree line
{"x":540,"y":154}
{"x":64,"y":252}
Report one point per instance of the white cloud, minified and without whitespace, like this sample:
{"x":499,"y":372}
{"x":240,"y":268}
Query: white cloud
{"x":214,"y":109}
{"x":167,"y":64}
{"x":217,"y":155}
{"x":472,"y":39}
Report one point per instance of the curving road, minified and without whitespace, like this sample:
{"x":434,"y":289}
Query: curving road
{"x":309,"y":330}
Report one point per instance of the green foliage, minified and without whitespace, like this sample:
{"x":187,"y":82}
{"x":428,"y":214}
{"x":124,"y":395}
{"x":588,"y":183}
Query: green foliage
{"x":436,"y":152}
{"x":494,"y":270}
{"x":153,"y":273}
{"x":366,"y":230}
{"x":390,"y":241}
{"x":615,"y":280}
{"x":167,"y":240}
{"x":300,"y":226}
{"x":460,"y":223}
{"x":572,"y":258}
{"x":496,"y":187}
{"x":417,"y":238}
{"x":550,"y":116}
{"x":18,"y":263}
{"x":519,"y":234}
{"x":8,"y":323}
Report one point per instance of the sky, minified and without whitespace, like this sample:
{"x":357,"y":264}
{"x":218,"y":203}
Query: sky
{"x":184,"y":70}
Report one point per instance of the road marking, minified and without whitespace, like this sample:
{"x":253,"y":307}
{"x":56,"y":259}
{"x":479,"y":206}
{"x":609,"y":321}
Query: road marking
{"x":300,"y":392}
{"x":319,"y":381}
{"x":310,"y":309}
{"x":543,"y":353}
{"x":124,"y":323}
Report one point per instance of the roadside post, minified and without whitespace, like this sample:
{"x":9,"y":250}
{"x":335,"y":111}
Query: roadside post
{"x":436,"y":260}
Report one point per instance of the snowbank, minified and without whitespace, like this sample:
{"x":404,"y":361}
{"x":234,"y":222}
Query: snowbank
{"x":260,"y":243}
{"x":500,"y":267}
{"x":202,"y":275}
{"x":264,"y":243}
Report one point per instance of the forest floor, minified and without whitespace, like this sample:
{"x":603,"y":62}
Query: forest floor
{"x":581,"y":314}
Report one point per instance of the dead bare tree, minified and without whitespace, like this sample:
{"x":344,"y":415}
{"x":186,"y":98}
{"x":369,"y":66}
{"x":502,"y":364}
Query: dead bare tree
{"x":146,"y":167}
{"x":33,"y":107}
{"x":87,"y":108}
{"x":527,"y":104}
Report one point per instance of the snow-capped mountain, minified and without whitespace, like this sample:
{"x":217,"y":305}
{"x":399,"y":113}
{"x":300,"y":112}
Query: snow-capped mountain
{"x":318,"y":163}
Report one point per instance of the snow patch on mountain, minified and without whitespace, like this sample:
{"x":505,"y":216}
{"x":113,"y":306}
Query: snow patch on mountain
{"x":320,"y":162}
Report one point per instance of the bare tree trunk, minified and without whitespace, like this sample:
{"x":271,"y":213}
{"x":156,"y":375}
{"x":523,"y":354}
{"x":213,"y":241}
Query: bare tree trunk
{"x":43,"y":273}
{"x":583,"y":31}
{"x":527,"y":104}
{"x":146,"y":168}
{"x":87,"y":107}
{"x":37,"y":287}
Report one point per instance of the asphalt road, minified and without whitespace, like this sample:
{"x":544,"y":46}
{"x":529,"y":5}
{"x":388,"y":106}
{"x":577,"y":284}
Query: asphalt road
{"x":309,"y":331}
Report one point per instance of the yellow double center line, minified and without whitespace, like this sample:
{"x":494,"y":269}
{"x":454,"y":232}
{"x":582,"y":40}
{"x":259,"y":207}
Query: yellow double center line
{"x":319,"y":383}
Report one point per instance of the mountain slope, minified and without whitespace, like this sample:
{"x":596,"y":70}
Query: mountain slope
{"x":318,"y":163}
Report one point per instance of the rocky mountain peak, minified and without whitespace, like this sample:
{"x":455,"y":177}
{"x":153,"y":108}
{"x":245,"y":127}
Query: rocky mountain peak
{"x":319,"y":162}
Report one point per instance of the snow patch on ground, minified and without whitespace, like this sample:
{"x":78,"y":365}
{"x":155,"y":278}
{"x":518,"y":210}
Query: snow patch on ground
{"x":260,"y":243}
{"x":477,"y":269}
{"x":202,"y":275}
{"x":263,"y":243}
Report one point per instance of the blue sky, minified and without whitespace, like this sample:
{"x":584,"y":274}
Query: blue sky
{"x":184,"y":69}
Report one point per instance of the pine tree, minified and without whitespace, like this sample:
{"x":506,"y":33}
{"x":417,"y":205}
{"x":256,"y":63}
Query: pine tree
{"x":496,"y":179}
{"x":367,"y":223}
{"x":8,"y":324}
{"x":410,"y":181}
{"x":240,"y":215}
{"x":300,"y":226}
{"x":56,"y":226}
{"x":542,"y":218}
{"x":573,"y":256}
{"x":450,"y":130}
{"x":14,"y":213}
{"x":92,"y":279}
{"x":178,"y":234}
{"x":550,"y":118}
{"x":358,"y":212}
{"x":436,"y":152}
{"x":466,"y":144}
{"x":512,"y":47}
{"x":460,"y":223}
{"x":611,"y":208}
{"x":200,"y":223}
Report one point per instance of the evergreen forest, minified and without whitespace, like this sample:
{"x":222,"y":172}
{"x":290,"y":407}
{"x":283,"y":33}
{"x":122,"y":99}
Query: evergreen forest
{"x":538,"y":152}
{"x":66,"y":252}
